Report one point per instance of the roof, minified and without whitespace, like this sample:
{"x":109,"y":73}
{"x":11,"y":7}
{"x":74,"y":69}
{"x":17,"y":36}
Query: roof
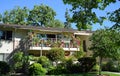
{"x":28,"y":27}
{"x":46,"y":29}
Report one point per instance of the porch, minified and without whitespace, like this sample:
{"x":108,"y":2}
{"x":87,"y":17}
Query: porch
{"x":48,"y":43}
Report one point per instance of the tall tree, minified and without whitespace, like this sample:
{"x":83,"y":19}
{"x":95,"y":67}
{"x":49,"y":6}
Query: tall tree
{"x":83,"y":14}
{"x":16,"y":16}
{"x":41,"y":15}
{"x":115,"y":17}
{"x":55,"y":23}
{"x":105,"y":44}
{"x":68,"y":20}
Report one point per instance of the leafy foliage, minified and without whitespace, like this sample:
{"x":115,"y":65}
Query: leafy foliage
{"x":40,"y":15}
{"x":68,"y":20}
{"x":115,"y":17}
{"x":36,"y":69}
{"x":55,"y":54}
{"x":83,"y":14}
{"x":44,"y":61}
{"x":79,"y":54}
{"x":86,"y":63}
{"x":55,"y":23}
{"x":16,"y":16}
{"x":105,"y":43}
{"x":18,"y":61}
{"x":111,"y":65}
{"x":4,"y":68}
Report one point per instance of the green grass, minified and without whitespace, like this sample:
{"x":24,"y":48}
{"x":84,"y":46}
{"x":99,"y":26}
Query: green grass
{"x":111,"y":74}
{"x":89,"y":74}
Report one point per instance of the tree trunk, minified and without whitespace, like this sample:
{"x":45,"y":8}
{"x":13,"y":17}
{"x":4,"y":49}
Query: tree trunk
{"x":100,"y":64}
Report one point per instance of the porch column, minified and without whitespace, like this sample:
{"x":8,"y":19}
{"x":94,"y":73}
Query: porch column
{"x":56,"y":37}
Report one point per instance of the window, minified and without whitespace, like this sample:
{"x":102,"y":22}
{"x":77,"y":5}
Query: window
{"x":2,"y":35}
{"x":41,"y":36}
{"x":3,"y":56}
{"x":84,"y":46}
{"x":6,"y":35}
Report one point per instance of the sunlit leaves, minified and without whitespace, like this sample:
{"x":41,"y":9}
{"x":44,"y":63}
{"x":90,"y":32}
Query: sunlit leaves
{"x":41,"y":15}
{"x":106,"y":43}
{"x":16,"y":16}
{"x":83,"y":14}
{"x":115,"y":17}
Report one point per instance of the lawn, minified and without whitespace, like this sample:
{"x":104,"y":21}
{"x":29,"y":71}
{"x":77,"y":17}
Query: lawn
{"x":111,"y":74}
{"x":90,"y":74}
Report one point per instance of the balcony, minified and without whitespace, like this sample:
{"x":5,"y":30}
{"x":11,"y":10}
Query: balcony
{"x":48,"y":43}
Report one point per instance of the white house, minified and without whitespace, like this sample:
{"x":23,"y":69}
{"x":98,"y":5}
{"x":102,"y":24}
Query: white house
{"x":39,"y":40}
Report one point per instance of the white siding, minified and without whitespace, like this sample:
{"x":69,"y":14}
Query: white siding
{"x":6,"y":46}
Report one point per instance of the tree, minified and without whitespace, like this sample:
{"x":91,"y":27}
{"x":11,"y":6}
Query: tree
{"x":105,"y":44}
{"x":16,"y":16}
{"x":115,"y":17}
{"x":55,"y":23}
{"x":83,"y":14}
{"x":41,"y":15}
{"x":68,"y":20}
{"x":56,"y":54}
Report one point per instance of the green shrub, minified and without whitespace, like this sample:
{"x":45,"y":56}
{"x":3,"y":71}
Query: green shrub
{"x":18,"y":61}
{"x":44,"y":61}
{"x":4,"y":67}
{"x":111,"y":66}
{"x":59,"y":69}
{"x":36,"y":69}
{"x":86,"y":63}
{"x":96,"y":68}
{"x":56,"y":54}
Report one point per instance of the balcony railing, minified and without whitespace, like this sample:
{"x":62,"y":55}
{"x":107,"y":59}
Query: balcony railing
{"x":54,"y":42}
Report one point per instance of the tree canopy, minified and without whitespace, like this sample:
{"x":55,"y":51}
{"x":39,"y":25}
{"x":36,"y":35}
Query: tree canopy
{"x":106,"y":44}
{"x":68,"y":20}
{"x":40,"y":15}
{"x":115,"y":17}
{"x":15,"y":16}
{"x":83,"y":14}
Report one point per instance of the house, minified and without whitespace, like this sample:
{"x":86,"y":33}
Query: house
{"x":38,"y":41}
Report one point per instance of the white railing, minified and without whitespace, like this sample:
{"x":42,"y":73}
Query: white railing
{"x":53,"y":42}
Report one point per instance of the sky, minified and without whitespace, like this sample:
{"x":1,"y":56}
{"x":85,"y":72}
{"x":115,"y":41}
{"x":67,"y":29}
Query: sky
{"x":57,"y":5}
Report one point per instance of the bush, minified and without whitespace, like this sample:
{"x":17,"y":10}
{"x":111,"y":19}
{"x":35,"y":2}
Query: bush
{"x":36,"y":69}
{"x":59,"y":69}
{"x":86,"y":63}
{"x":4,"y":67}
{"x":18,"y":61}
{"x":96,"y":68}
{"x":111,"y":66}
{"x":72,"y":67}
{"x":44,"y":61}
{"x":56,"y":54}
